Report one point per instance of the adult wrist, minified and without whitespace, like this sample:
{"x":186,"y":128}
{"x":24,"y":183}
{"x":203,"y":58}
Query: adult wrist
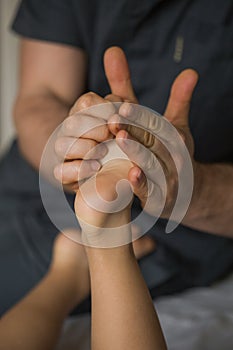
{"x":197,"y":206}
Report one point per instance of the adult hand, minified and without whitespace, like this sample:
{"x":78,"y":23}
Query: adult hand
{"x":74,"y":141}
{"x":177,"y":113}
{"x":77,"y":140}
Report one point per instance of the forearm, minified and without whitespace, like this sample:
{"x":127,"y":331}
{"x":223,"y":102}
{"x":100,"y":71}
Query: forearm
{"x":36,"y":117}
{"x":211,"y":209}
{"x":123,"y":315}
{"x":36,"y":321}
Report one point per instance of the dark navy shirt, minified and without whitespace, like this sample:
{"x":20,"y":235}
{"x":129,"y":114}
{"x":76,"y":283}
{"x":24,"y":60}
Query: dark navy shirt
{"x":160,"y":38}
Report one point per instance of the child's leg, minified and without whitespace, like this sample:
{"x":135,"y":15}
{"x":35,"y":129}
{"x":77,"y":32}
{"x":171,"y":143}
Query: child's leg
{"x":36,"y":321}
{"x":123,"y":315}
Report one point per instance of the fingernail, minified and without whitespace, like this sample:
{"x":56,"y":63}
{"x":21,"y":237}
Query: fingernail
{"x":95,"y":166}
{"x":139,"y":175}
{"x":58,"y":172}
{"x":126,"y":109}
{"x":125,"y":136}
{"x":115,"y":121}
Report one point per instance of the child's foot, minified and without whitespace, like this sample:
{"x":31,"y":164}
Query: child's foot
{"x":103,"y":203}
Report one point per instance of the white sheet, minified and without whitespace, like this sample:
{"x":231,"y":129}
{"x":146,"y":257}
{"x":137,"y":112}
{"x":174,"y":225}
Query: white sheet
{"x":198,"y":319}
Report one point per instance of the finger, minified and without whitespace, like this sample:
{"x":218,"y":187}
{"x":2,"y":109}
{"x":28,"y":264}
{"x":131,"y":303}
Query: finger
{"x":77,"y":170}
{"x":116,"y":123}
{"x":147,"y":177}
{"x":139,"y":184}
{"x":118,"y":74}
{"x":178,"y":107}
{"x":146,"y":119}
{"x":155,"y":133}
{"x":150,"y":142}
{"x":151,"y":196}
{"x":148,"y":127}
{"x":71,"y":148}
{"x":139,"y":154}
{"x":86,"y":126}
{"x":85,"y":101}
{"x":95,"y":106}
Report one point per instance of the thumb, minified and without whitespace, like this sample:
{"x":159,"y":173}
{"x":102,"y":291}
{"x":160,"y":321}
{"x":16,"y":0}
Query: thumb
{"x":177,"y":111}
{"x":118,"y":74}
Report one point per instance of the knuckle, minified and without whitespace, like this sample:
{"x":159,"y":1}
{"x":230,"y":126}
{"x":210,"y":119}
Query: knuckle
{"x":89,"y":144}
{"x":101,"y":133}
{"x":135,"y":131}
{"x":129,"y":128}
{"x":74,"y":109}
{"x":69,"y":124}
{"x":88,"y":149}
{"x":105,"y":132}
{"x":149,"y":140}
{"x":64,"y":147}
{"x":154,"y":144}
{"x":59,"y":147}
{"x":70,"y":173}
{"x":69,"y":153}
{"x":86,"y":100}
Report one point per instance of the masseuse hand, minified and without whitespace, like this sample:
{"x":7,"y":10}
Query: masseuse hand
{"x":176,"y":113}
{"x":70,"y":146}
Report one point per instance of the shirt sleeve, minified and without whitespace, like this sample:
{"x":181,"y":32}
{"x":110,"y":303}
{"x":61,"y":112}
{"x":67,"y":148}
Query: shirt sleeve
{"x":48,"y":20}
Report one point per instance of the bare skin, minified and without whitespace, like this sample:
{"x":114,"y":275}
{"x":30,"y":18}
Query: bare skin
{"x":209,"y":210}
{"x":119,"y":293}
{"x":103,"y":186}
{"x":36,"y":321}
{"x":114,"y":271}
{"x":46,"y":92}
